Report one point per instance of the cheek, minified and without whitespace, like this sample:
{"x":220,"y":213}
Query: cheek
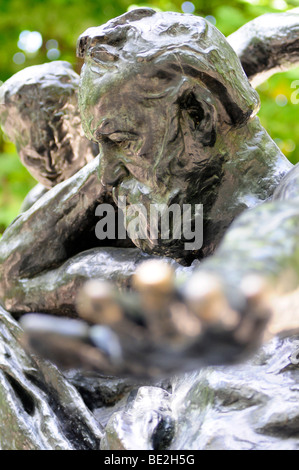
{"x":160,"y":122}
{"x":21,"y":137}
{"x":36,"y":168}
{"x":31,"y":160}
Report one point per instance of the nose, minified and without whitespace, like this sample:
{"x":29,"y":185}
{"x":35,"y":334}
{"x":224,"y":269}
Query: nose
{"x":107,"y":126}
{"x":112,"y":171}
{"x":49,"y":165}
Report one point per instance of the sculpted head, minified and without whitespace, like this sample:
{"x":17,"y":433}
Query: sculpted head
{"x":39,"y":113}
{"x":160,"y":92}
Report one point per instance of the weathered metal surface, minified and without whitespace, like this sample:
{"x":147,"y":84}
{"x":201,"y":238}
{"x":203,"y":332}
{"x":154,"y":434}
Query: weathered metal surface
{"x":34,"y":195}
{"x":247,"y":406}
{"x":167,"y":100}
{"x":39,"y":409}
{"x":198,"y":143}
{"x":251,"y":406}
{"x":267,"y":44}
{"x":39,"y":113}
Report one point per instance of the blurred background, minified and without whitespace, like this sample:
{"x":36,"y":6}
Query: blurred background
{"x":37,"y":31}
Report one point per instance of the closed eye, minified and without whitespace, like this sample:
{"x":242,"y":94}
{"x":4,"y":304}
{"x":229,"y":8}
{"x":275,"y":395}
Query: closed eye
{"x":116,"y":137}
{"x":163,"y":75}
{"x":122,"y":136}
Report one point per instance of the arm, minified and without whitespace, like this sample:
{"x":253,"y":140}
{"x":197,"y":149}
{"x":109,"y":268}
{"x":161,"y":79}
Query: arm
{"x":34,"y":195}
{"x":267,"y":44}
{"x":55,"y":291}
{"x":45,"y":236}
{"x":216,"y":316}
{"x":263,"y":243}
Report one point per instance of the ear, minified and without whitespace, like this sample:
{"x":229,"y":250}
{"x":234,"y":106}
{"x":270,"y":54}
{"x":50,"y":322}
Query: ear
{"x":200,"y":117}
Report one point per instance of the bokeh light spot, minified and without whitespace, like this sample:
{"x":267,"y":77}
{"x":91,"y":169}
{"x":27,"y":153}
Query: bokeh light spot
{"x":278,"y":142}
{"x":52,"y":44}
{"x":211,"y":19}
{"x":281,"y":100}
{"x":188,"y":7}
{"x":289,"y":146}
{"x":279,"y":4}
{"x":30,"y":41}
{"x":19,"y":58}
{"x":53,"y":54}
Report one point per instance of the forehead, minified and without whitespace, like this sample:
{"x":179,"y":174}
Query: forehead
{"x":151,"y":51}
{"x":56,"y":75}
{"x":186,"y":42}
{"x":134,"y":81}
{"x":40,"y":90}
{"x":145,"y":37}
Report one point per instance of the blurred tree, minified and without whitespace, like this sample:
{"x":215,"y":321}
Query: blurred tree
{"x":57,"y":25}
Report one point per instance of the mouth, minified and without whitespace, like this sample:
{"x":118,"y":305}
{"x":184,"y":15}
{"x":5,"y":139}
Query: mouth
{"x":52,"y":179}
{"x":53,"y":176}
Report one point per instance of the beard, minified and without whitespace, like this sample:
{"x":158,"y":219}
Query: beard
{"x":156,"y":219}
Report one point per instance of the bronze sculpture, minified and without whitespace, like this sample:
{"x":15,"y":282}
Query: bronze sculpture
{"x":196,"y":140}
{"x":40,"y":115}
{"x":182,"y":128}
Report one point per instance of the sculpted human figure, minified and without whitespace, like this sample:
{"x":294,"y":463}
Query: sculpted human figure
{"x":184,"y":123}
{"x":166,"y":99}
{"x":40,"y":115}
{"x":168,"y":102}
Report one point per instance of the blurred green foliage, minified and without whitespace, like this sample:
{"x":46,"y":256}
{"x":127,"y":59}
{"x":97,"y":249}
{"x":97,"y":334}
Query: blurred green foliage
{"x":64,"y":20}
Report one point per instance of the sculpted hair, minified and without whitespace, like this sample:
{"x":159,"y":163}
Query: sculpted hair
{"x":35,"y":92}
{"x":188,"y":44}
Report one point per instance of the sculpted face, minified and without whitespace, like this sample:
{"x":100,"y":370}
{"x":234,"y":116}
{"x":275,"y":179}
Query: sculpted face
{"x":41,"y":117}
{"x":134,"y":118}
{"x":137,"y":121}
{"x":158,"y":111}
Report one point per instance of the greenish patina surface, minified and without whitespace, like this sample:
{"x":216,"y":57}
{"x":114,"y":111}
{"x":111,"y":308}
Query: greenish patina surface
{"x":166,"y":98}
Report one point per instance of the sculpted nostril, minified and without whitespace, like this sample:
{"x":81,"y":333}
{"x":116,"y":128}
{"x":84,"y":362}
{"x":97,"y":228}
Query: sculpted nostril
{"x":106,"y":127}
{"x":113,"y":176}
